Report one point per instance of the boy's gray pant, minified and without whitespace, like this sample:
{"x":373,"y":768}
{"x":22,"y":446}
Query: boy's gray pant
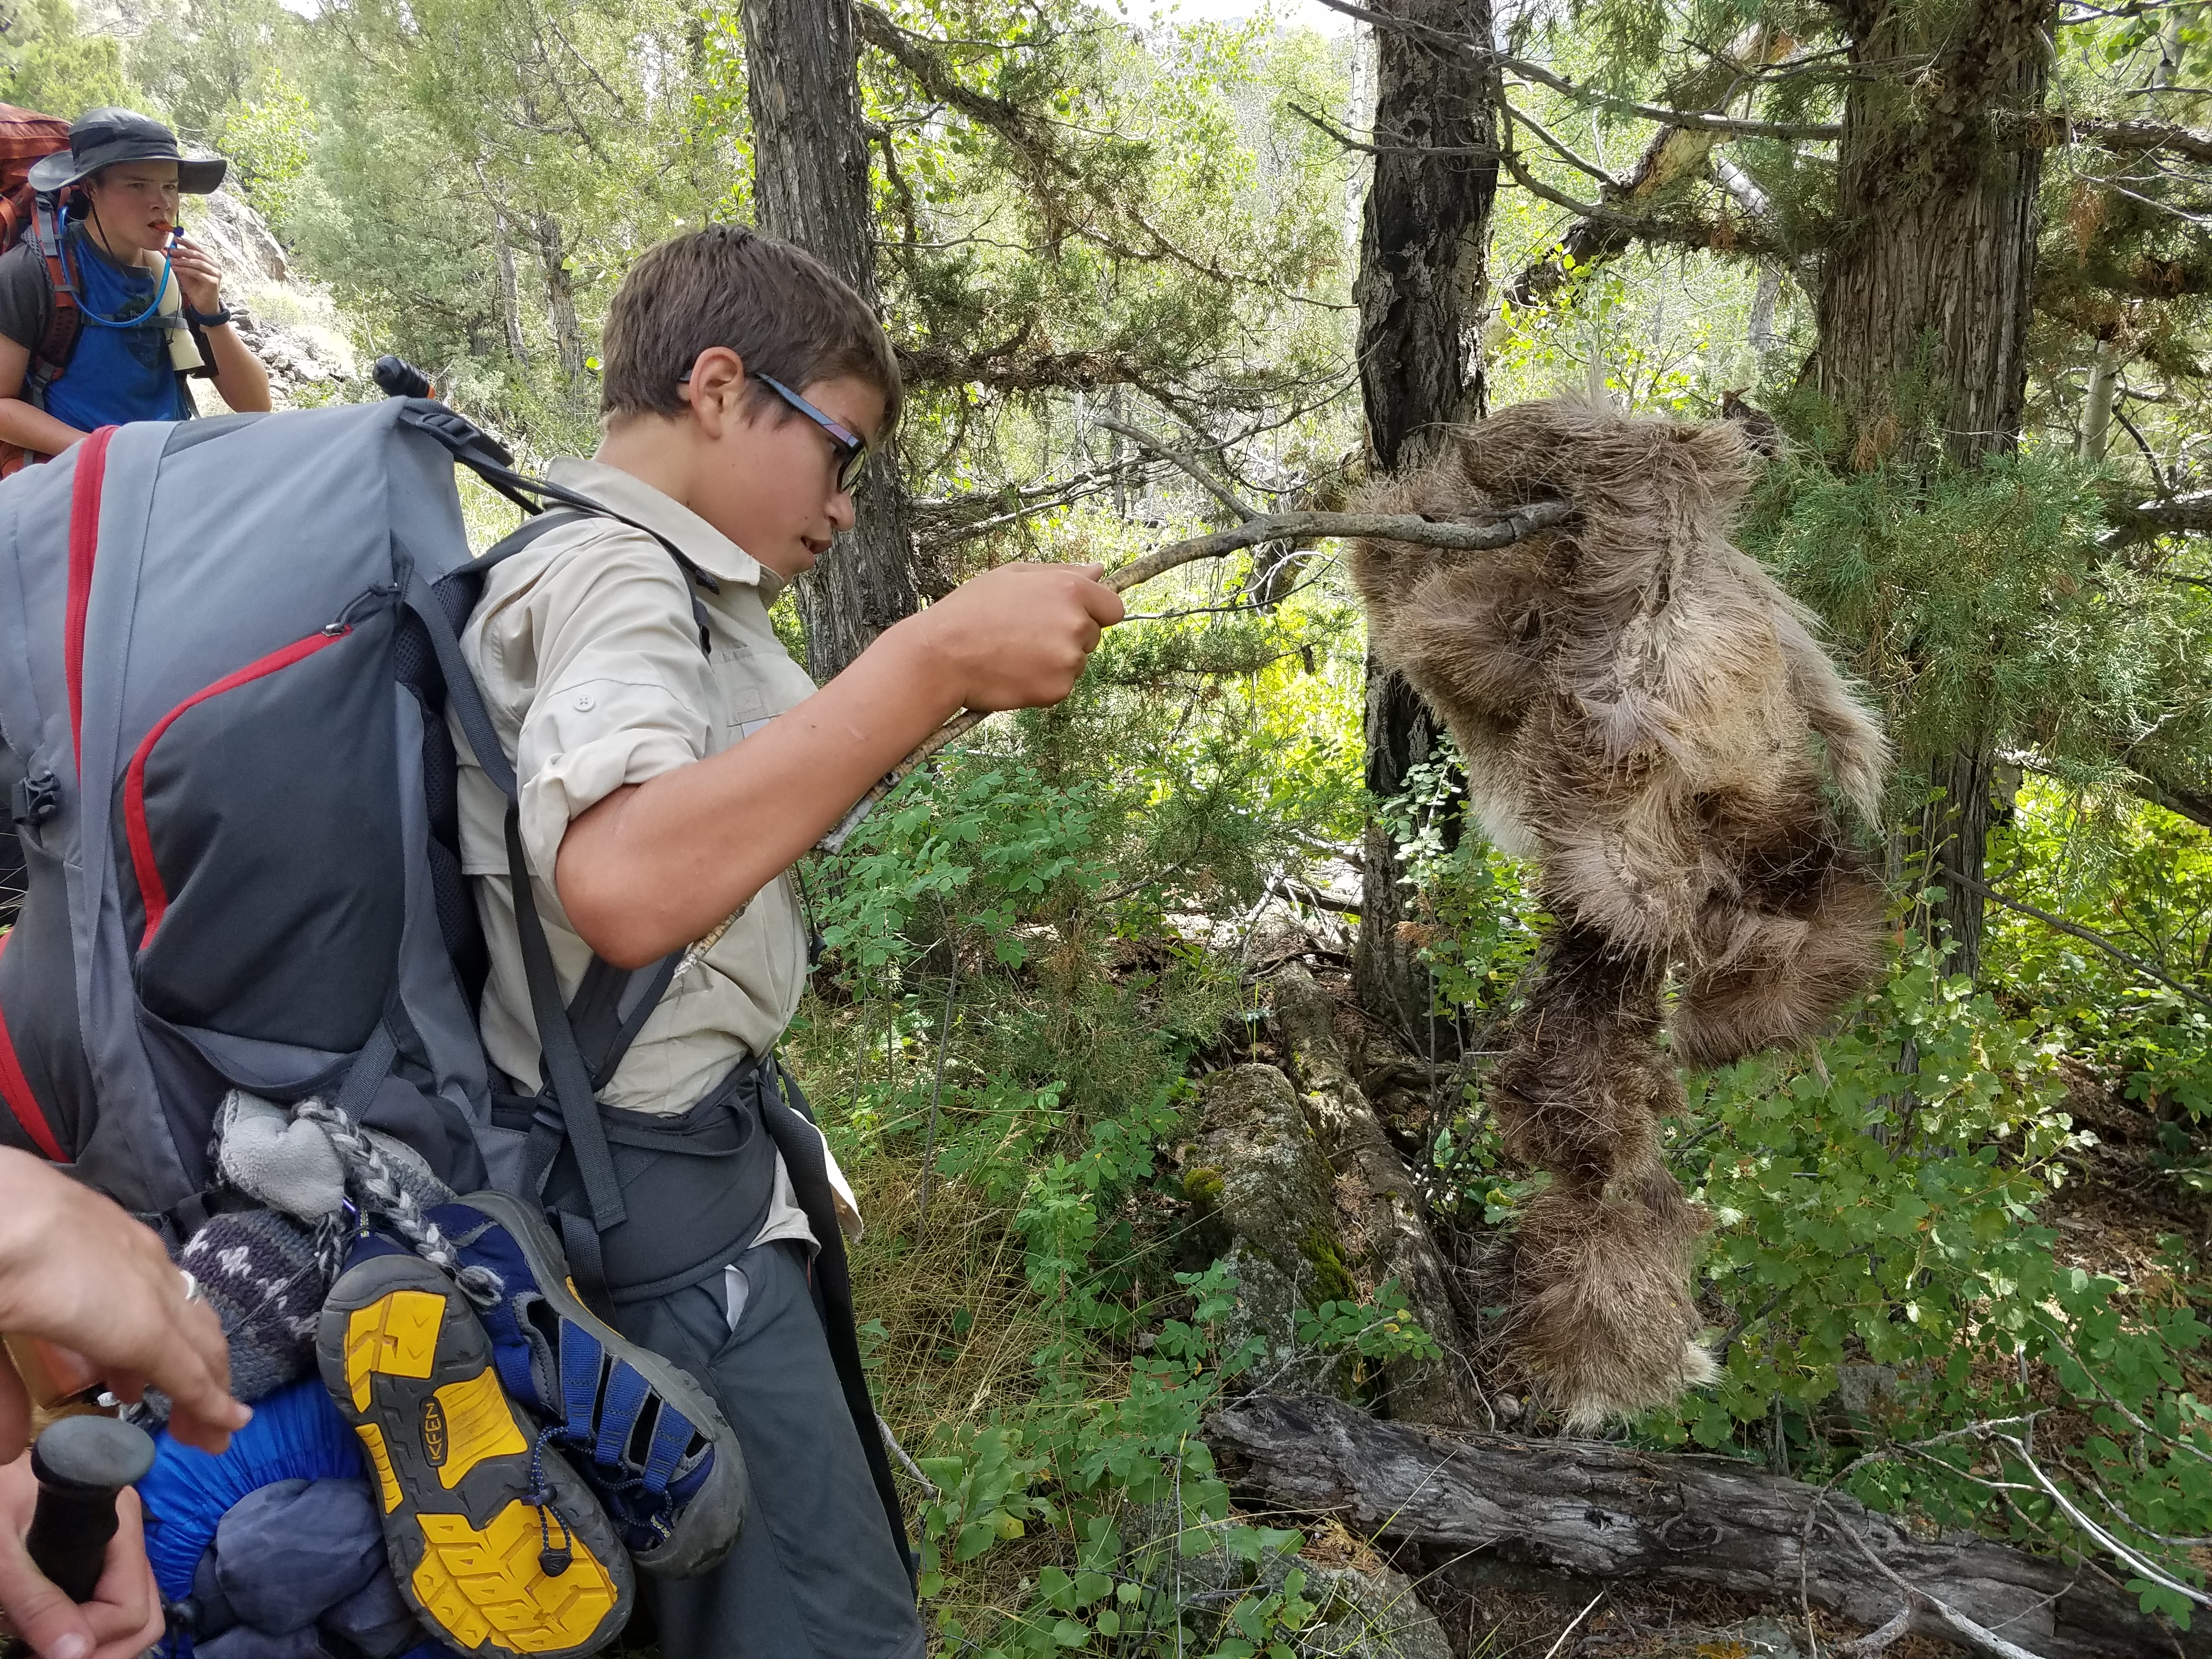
{"x":815,"y":1574}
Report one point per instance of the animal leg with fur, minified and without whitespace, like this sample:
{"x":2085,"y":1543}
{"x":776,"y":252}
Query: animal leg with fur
{"x":1601,"y":1317}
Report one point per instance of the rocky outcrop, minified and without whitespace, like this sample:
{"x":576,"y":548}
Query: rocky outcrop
{"x":1379,"y":1210}
{"x":1362,"y":1607}
{"x":1367,"y":1613}
{"x":291,"y":325}
{"x":1261,"y":1190}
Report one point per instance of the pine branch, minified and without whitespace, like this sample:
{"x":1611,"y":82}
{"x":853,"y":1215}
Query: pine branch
{"x":1023,"y":132}
{"x":2163,"y":516}
{"x":2190,"y":803}
{"x":1710,"y":234}
{"x":2082,"y":933}
{"x":1212,"y":486}
{"x":1010,"y":366}
{"x":1698,"y":120}
{"x":1047,"y":168}
{"x":1704,"y":120}
{"x":2048,"y":129}
{"x":1606,"y":180}
{"x":1291,"y":527}
{"x":2180,"y":799}
{"x":1674,"y":154}
{"x":948,"y":521}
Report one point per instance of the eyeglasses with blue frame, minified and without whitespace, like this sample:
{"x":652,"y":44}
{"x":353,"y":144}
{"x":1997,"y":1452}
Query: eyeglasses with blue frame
{"x":850,"y":449}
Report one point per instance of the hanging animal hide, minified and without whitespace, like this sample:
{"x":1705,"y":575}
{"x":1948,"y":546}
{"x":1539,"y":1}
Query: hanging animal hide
{"x":1636,"y":701}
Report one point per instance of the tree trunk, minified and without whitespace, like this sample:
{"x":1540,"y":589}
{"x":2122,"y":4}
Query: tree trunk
{"x":1925,"y":302}
{"x":560,"y":299}
{"x":1423,"y":250}
{"x":1609,"y":1511}
{"x":1401,"y":732}
{"x":810,"y":186}
{"x":1355,"y":119}
{"x":510,"y":293}
{"x":1760,"y":335}
{"x":2097,"y":403}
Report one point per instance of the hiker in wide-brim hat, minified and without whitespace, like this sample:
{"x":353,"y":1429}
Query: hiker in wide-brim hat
{"x":108,"y":309}
{"x":101,"y":137}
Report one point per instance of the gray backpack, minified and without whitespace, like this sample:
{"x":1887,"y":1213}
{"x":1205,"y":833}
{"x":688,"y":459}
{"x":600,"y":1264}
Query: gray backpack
{"x":230,"y":646}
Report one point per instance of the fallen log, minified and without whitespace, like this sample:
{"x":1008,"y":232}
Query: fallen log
{"x":1608,"y":1511}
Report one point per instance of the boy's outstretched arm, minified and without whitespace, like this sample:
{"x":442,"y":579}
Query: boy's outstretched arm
{"x":656,"y":865}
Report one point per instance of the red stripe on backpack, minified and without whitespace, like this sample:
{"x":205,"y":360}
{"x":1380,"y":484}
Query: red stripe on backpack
{"x":136,"y":830}
{"x":16,"y":1089}
{"x":83,"y":548}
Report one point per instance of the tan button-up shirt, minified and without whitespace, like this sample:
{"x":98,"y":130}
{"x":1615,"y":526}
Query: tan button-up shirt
{"x":585,"y":649}
{"x":587,"y":652}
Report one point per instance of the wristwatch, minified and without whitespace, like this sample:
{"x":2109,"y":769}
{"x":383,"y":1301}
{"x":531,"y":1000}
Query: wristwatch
{"x":208,"y":319}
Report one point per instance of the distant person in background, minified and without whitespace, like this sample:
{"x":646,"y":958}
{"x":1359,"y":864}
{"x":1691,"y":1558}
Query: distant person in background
{"x":148,"y":301}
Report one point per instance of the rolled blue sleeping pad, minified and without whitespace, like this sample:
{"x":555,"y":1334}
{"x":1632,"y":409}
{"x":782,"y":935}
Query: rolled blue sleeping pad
{"x":296,"y":1437}
{"x":296,"y":1434}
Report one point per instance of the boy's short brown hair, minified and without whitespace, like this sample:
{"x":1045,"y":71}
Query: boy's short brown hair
{"x":786,"y":314}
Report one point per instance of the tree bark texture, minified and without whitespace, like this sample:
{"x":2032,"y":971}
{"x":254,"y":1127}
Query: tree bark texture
{"x":560,"y":299}
{"x":1425,"y":237}
{"x":1607,"y":1512}
{"x":1393,"y":984}
{"x":1424,"y":240}
{"x":1379,"y":1212}
{"x":510,"y":294}
{"x":1926,"y":288}
{"x":1954,"y":833}
{"x":1924,"y":301}
{"x":810,"y":186}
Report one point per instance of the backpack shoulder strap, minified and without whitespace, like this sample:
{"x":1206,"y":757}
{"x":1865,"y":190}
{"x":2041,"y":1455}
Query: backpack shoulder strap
{"x":521,"y":537}
{"x":580,"y":1045}
{"x":64,"y":319}
{"x":573,"y":505}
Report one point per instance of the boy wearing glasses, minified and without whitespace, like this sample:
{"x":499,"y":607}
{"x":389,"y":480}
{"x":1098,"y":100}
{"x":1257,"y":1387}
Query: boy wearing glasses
{"x":674,"y":762}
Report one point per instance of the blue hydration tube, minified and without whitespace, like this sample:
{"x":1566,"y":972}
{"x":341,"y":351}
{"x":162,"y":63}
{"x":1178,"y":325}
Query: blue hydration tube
{"x":61,"y":237}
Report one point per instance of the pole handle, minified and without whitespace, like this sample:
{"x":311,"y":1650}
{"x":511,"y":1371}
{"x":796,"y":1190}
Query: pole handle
{"x":82,"y":1463}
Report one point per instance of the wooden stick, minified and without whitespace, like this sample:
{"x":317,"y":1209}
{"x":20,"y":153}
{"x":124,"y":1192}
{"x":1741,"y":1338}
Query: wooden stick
{"x":1501,"y":531}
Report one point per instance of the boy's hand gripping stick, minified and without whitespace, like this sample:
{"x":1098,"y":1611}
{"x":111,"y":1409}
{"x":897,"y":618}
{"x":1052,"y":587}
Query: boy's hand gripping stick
{"x":80,"y":1463}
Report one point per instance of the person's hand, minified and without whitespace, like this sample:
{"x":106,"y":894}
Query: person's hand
{"x":77,"y":1271}
{"x":124,"y":1617}
{"x":1018,"y":636}
{"x":198,"y":276}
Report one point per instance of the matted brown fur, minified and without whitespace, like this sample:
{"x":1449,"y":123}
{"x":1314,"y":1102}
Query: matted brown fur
{"x":1636,"y":702}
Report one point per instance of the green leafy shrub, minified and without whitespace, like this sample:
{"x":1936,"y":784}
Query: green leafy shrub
{"x":1875,"y":1206}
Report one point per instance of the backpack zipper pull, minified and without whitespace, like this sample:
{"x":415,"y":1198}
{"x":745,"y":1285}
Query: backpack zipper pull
{"x":344,"y":622}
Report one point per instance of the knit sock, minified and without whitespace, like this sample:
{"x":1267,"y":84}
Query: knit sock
{"x":261,"y":1275}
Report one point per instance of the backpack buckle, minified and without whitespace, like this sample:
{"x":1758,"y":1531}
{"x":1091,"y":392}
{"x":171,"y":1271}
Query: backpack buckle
{"x":36,"y":798}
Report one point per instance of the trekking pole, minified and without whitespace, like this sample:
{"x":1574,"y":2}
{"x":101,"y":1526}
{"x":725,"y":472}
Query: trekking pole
{"x":396,"y":377}
{"x":82,"y":1463}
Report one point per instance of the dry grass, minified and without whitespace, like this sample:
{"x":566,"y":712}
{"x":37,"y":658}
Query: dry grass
{"x":959,"y":1322}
